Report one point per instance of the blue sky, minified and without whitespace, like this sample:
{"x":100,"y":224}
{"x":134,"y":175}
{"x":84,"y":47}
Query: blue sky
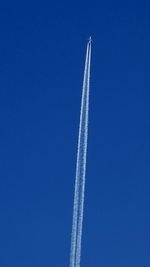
{"x":42,"y":53}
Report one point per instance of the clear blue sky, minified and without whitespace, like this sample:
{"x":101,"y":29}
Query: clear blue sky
{"x":42,"y":52}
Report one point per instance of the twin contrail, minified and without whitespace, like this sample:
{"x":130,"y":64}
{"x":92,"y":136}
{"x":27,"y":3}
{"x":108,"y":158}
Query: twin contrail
{"x":78,"y":209}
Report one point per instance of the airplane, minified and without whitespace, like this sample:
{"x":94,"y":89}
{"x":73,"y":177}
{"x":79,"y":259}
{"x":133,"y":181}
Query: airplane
{"x":90,"y":39}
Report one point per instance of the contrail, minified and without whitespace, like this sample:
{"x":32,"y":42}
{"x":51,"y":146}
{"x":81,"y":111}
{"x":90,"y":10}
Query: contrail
{"x":78,"y":208}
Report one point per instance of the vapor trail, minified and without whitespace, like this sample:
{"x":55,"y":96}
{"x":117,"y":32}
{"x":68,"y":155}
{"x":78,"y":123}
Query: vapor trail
{"x":78,"y":209}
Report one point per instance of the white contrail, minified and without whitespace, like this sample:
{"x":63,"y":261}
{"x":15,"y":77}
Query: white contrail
{"x":83,"y":163}
{"x":78,"y":209}
{"x":77,"y":181}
